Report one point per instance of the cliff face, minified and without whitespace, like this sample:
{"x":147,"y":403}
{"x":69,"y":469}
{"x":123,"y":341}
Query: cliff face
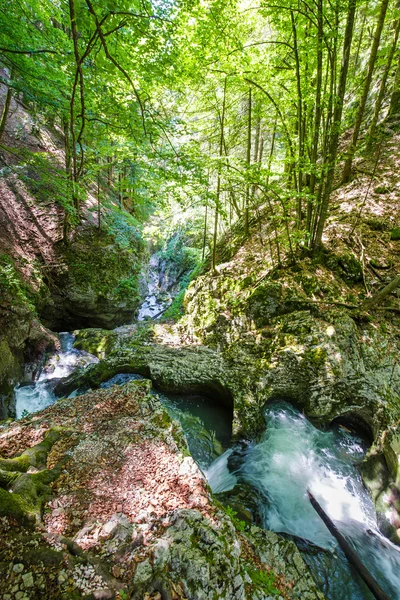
{"x":93,"y":281}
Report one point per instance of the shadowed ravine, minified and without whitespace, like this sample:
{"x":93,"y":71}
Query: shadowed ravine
{"x":291,"y":457}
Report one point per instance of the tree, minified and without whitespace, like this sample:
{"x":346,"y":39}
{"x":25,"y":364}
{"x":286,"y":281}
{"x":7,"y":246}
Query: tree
{"x":346,"y":175}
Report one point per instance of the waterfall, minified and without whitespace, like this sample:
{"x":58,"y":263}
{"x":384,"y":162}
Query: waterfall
{"x":36,"y":396}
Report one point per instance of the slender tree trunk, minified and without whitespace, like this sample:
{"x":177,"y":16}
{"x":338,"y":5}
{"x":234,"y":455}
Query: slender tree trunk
{"x":68,"y":171}
{"x":360,"y":39}
{"x":248,"y":161}
{"x":218,"y":191}
{"x":120,"y":194}
{"x":6,"y":109}
{"x":394,"y":109}
{"x":98,"y":201}
{"x":271,"y":151}
{"x":299,"y":119}
{"x":367,"y":84}
{"x":317,"y":115}
{"x":379,"y":296}
{"x":205,"y":234}
{"x":382,"y":89}
{"x":335,"y":128}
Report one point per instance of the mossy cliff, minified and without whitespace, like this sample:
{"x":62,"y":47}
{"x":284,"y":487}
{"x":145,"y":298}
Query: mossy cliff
{"x":22,"y":337}
{"x":107,"y":503}
{"x":95,"y":281}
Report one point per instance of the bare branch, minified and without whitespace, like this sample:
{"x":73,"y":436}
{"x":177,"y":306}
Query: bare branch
{"x":41,"y":51}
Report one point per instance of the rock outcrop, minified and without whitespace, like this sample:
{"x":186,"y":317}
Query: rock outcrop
{"x":107,"y":503}
{"x":95,"y":283}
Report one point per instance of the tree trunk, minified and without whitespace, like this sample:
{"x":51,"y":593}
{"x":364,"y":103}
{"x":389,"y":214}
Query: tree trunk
{"x":218,"y":192}
{"x":98,"y":202}
{"x":271,"y":151}
{"x":379,"y":296}
{"x":350,"y":553}
{"x":299,"y":120}
{"x":394,"y":109}
{"x":382,"y":88}
{"x":367,"y":84}
{"x":317,"y":115}
{"x":6,"y":108}
{"x":248,"y":160}
{"x":68,"y":171}
{"x":205,"y":234}
{"x":335,"y":127}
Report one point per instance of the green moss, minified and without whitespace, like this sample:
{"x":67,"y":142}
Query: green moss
{"x":99,"y":342}
{"x":264,"y":580}
{"x":97,"y":262}
{"x":14,"y":506}
{"x":395,"y":234}
{"x":316,"y":356}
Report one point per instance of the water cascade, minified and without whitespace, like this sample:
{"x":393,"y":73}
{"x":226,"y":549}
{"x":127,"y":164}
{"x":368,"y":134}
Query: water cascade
{"x":157,"y":300}
{"x":36,"y":396}
{"x":292,"y":457}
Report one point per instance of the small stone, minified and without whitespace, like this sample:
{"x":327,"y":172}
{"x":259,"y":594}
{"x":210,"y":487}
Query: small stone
{"x":19,"y":595}
{"x":18,"y":568}
{"x":119,"y":508}
{"x":28,"y":580}
{"x":62,"y":577}
{"x":116,"y":571}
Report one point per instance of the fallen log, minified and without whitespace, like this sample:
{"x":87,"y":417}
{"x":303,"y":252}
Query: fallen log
{"x":350,"y":553}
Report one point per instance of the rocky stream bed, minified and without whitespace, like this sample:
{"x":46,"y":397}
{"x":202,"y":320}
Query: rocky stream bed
{"x":106,"y":492}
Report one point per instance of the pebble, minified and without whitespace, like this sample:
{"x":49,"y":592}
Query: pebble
{"x":18,"y":568}
{"x":62,"y":577}
{"x":28,"y":580}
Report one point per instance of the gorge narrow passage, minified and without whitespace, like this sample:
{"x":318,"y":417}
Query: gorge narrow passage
{"x":292,"y":457}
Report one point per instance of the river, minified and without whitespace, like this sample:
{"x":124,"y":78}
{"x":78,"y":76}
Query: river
{"x":291,"y":458}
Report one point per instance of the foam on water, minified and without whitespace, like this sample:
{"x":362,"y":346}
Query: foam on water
{"x":218,"y":475}
{"x":293,"y":457}
{"x":36,"y":396}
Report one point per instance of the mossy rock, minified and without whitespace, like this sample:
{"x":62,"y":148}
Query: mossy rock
{"x":346,"y":265}
{"x":395,"y":234}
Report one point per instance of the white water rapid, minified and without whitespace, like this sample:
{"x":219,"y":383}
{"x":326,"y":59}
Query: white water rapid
{"x":157,"y":300}
{"x":293,"y":457}
{"x":33,"y":397}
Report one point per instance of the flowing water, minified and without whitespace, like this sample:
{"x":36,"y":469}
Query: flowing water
{"x":293,"y":457}
{"x":157,"y":300}
{"x":36,"y":396}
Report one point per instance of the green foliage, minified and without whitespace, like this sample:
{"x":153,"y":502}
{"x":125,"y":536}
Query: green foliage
{"x":125,"y":229}
{"x":11,"y":283}
{"x":238,"y":523}
{"x":265,"y":580}
{"x":128,"y":288}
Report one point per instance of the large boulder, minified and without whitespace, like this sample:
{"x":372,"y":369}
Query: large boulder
{"x":95,"y":282}
{"x":107,"y":503}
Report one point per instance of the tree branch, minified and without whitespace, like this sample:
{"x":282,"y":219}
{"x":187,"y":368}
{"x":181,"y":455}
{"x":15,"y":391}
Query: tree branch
{"x":114,"y":62}
{"x":41,"y":51}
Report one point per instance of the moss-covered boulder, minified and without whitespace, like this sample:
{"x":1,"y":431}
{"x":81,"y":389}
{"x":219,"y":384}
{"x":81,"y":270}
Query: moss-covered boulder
{"x":130,"y":513}
{"x":96,"y":282}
